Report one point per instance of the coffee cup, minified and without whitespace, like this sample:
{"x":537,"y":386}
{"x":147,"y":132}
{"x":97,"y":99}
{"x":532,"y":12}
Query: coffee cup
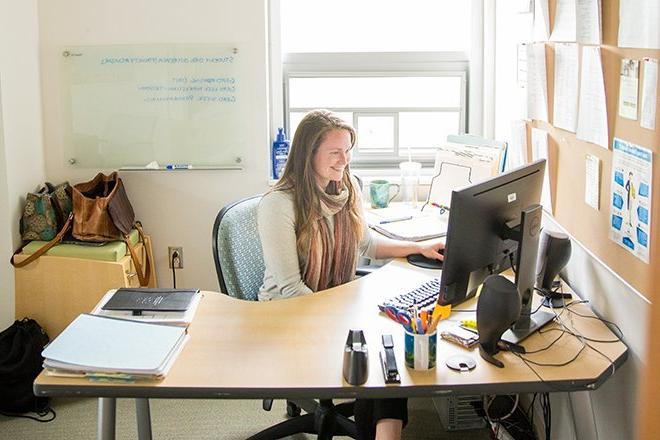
{"x":380,"y":192}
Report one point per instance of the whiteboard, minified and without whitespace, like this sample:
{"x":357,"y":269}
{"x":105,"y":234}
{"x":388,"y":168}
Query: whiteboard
{"x":129,"y":105}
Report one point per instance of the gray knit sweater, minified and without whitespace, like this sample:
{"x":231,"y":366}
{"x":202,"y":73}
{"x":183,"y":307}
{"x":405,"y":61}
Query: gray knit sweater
{"x":276,"y":221}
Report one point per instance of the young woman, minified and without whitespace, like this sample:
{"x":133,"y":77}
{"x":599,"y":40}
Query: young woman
{"x":313,"y":231}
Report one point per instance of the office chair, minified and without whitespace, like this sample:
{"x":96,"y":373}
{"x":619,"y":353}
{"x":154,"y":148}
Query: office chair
{"x":240,"y":267}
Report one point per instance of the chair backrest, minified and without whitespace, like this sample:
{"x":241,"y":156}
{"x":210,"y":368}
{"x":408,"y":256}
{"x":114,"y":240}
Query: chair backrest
{"x":237,"y":252}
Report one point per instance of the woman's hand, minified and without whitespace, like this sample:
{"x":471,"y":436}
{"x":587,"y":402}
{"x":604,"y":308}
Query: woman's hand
{"x":431,"y":249}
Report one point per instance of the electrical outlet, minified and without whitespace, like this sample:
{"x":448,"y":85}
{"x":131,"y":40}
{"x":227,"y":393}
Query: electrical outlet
{"x":175,"y":255}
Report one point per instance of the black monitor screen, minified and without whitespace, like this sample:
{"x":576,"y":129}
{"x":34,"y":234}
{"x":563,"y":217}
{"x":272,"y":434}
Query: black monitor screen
{"x":475,"y":246}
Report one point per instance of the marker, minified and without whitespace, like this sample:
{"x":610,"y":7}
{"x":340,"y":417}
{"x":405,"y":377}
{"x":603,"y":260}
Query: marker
{"x":392,"y":220}
{"x":178,"y":166}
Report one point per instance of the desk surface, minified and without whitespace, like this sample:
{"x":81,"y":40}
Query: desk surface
{"x":293,"y":348}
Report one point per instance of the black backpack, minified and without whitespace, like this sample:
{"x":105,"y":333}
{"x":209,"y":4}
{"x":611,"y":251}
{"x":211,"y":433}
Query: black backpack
{"x":20,"y":363}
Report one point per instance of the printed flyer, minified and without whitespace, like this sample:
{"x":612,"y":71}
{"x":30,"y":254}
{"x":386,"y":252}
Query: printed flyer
{"x":630,"y":208}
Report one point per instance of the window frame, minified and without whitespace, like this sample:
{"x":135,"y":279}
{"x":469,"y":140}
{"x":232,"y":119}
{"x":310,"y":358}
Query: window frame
{"x":372,"y":64}
{"x":393,"y":64}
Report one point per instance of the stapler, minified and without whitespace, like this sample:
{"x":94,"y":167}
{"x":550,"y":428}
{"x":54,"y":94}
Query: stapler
{"x":388,"y":361}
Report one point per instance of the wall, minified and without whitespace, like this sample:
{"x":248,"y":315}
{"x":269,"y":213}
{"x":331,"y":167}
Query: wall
{"x":611,"y":411}
{"x":619,"y":286}
{"x":21,"y":146}
{"x":176,"y":208}
{"x":567,"y":155}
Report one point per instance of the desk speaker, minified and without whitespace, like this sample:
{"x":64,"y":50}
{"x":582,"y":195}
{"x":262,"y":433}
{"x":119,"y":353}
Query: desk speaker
{"x":554,"y":253}
{"x":498,"y":309}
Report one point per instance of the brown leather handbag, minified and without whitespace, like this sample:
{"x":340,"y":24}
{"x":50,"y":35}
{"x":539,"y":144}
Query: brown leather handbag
{"x":101,"y":212}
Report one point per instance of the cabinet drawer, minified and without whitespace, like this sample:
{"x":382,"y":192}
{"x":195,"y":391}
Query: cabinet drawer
{"x":54,"y":290}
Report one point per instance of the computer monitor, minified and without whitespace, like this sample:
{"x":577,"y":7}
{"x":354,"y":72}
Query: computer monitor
{"x":494,"y":225}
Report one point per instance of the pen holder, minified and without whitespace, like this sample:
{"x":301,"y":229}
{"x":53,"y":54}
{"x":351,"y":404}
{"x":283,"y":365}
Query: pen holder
{"x":420,"y":350}
{"x":356,"y":358}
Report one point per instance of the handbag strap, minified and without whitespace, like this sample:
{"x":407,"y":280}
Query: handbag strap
{"x":43,"y":249}
{"x":146,"y":276}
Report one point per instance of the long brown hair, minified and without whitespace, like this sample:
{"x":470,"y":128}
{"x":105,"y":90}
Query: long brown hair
{"x":300,"y":178}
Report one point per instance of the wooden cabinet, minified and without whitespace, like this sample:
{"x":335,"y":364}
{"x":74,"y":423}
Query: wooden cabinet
{"x":54,"y":290}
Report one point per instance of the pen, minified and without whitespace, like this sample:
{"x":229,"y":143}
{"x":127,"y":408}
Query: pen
{"x":178,"y":166}
{"x":442,"y":208}
{"x":392,"y":220}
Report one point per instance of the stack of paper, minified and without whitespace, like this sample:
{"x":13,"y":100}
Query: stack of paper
{"x":414,"y":229}
{"x":163,"y":306}
{"x":102,"y":346}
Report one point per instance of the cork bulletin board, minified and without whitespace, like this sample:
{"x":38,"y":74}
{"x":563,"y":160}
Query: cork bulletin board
{"x":567,"y":156}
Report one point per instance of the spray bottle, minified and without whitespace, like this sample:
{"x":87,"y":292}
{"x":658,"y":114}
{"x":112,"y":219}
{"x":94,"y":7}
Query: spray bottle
{"x":280,"y":153}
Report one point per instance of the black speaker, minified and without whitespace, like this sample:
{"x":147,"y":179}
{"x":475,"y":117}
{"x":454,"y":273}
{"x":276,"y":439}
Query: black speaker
{"x":497,"y":309}
{"x":554,"y":253}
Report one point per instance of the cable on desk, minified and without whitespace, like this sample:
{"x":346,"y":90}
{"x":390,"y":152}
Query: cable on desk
{"x":601,"y":341}
{"x":548,"y":346}
{"x":603,"y":320}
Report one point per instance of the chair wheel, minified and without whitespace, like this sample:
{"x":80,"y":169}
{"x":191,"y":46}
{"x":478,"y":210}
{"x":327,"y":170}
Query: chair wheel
{"x":292,"y":410}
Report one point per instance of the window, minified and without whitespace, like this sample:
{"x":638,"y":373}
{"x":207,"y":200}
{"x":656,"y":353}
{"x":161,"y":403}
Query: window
{"x":397,"y":71}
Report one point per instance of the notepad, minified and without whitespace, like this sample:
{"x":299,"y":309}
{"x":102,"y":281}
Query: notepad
{"x":415,"y":229}
{"x":110,"y":345}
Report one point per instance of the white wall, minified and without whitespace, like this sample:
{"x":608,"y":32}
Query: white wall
{"x":21,"y":146}
{"x":177,"y":209}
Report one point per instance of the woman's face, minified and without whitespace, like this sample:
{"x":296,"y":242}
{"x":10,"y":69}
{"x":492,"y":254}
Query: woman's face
{"x":332,"y":156}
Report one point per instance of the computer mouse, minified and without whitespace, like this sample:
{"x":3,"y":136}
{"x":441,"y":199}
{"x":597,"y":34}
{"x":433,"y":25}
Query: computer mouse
{"x":427,"y":263}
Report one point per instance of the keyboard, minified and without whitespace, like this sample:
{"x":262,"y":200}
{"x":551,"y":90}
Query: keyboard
{"x":425,"y":296}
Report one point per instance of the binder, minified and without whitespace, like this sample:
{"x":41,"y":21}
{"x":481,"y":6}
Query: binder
{"x":98,"y":344}
{"x":168,"y":315}
{"x":141,"y":300}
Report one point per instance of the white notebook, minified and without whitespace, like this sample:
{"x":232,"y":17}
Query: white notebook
{"x":110,"y":345}
{"x":415,"y":229}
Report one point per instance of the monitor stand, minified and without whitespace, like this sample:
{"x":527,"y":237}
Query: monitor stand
{"x":538,"y":320}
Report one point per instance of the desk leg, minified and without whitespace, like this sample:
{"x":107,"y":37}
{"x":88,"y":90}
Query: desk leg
{"x":106,"y":422}
{"x":143,"y":419}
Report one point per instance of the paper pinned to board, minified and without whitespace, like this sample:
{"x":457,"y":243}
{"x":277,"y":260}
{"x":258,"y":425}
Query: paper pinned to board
{"x":638,"y":24}
{"x":631,"y":198}
{"x":541,"y":28}
{"x":592,"y":113}
{"x":537,"y":86}
{"x":578,"y":21}
{"x":540,"y":151}
{"x":592,"y":181}
{"x":589,"y":22}
{"x":565,"y":108}
{"x":565,"y":21}
{"x":649,"y":93}
{"x":628,"y":87}
{"x":517,"y":155}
